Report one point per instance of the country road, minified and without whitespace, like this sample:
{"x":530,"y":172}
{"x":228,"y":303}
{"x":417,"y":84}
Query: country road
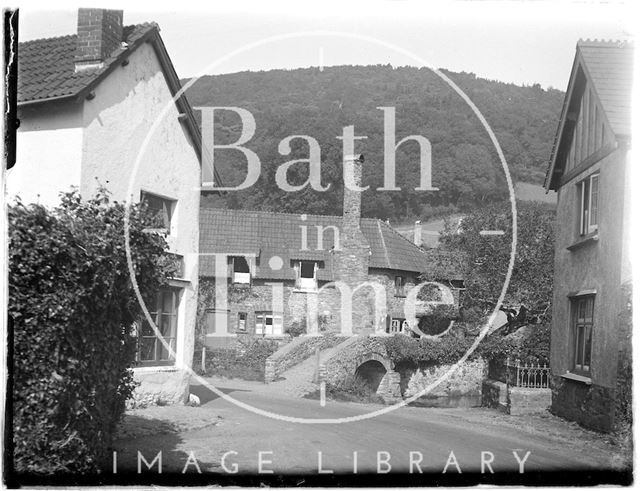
{"x":226,"y":440}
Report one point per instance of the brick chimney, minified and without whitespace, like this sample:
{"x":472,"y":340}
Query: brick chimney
{"x":99,"y":35}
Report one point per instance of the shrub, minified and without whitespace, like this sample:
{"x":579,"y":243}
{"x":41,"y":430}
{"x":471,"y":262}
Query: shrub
{"x":246,"y":361}
{"x":297,"y":328}
{"x":428,"y":351}
{"x":72,"y":305}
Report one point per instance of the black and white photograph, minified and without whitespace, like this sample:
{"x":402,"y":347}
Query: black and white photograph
{"x":318,"y":244}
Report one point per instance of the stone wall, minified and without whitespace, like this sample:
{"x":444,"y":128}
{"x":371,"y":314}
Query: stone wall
{"x":259,"y":296}
{"x":462,"y":387}
{"x":296,"y":352}
{"x":590,"y":405}
{"x":528,"y":401}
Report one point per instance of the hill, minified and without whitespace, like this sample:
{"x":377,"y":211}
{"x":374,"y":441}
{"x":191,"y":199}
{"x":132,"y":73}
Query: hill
{"x":317,"y":103}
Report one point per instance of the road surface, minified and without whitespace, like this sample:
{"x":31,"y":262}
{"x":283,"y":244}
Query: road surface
{"x":408,"y":441}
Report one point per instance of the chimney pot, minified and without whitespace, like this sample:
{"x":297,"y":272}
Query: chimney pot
{"x":99,"y":35}
{"x":417,"y":233}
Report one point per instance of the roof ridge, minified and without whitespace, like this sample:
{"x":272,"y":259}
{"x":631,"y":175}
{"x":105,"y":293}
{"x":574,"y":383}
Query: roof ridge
{"x":282,"y":213}
{"x":74,"y":35}
{"x":605,"y":43}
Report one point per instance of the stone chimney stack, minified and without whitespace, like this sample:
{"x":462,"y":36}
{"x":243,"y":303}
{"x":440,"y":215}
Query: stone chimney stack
{"x":353,"y":264}
{"x":417,"y":233}
{"x":352,"y":200}
{"x":99,"y":35}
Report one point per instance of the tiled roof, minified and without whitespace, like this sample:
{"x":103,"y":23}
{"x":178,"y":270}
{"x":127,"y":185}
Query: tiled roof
{"x":267,"y":234}
{"x":46,"y":67}
{"x":46,"y":71}
{"x":609,"y":66}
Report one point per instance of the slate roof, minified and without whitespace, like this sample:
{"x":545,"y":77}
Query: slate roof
{"x":608,"y":67}
{"x":267,"y":234}
{"x":46,"y":68}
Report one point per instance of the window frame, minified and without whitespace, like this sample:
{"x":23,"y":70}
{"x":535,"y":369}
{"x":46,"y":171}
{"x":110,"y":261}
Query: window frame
{"x":167,"y":211}
{"x":312,"y":283}
{"x":246,"y":275}
{"x":400,"y":324}
{"x":581,"y":364}
{"x":588,"y":197}
{"x":261,"y":320}
{"x":156,"y":315}
{"x":400,"y":290}
{"x":240,"y":321}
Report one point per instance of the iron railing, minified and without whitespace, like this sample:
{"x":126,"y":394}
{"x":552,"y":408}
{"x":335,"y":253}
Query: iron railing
{"x":527,"y":375}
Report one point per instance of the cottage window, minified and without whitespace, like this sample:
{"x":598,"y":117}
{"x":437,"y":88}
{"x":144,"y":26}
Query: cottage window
{"x":164,"y":314}
{"x":242,"y":322}
{"x":268,"y":324}
{"x":161,"y":208}
{"x":306,"y":275}
{"x":241,"y":273}
{"x":582,"y":328}
{"x":399,"y":286}
{"x":588,"y":189}
{"x":397,"y":326}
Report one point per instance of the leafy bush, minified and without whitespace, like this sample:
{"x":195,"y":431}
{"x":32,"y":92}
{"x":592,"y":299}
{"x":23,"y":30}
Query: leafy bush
{"x":72,"y":305}
{"x":297,"y":328}
{"x":428,"y":351}
{"x":246,"y":361}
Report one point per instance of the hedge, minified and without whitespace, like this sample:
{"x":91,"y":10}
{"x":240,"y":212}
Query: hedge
{"x":73,"y":308}
{"x":245,"y":361}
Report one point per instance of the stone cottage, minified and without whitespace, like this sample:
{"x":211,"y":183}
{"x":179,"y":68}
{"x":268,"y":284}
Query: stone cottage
{"x":269,"y":274}
{"x":589,"y":168}
{"x":86,"y":102}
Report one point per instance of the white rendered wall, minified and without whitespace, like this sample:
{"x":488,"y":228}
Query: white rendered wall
{"x":48,"y":154}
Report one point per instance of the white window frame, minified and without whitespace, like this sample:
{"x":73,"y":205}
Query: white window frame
{"x":168,"y":210}
{"x":275,"y":328}
{"x":589,"y":222}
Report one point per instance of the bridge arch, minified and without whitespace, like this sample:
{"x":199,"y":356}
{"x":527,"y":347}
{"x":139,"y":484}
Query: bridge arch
{"x":371,"y":370}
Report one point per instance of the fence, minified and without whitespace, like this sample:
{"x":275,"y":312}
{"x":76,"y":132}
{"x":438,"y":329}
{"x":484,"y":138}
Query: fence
{"x":531,"y":376}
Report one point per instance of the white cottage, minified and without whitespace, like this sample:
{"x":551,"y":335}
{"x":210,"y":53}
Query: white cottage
{"x":86,"y":103}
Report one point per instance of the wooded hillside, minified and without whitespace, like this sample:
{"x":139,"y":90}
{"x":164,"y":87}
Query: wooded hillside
{"x":318,"y":103}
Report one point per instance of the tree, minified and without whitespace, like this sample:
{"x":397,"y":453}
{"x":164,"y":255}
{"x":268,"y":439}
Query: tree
{"x":73,"y":307}
{"x":486,"y":259}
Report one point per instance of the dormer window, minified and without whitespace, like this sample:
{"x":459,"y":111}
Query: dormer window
{"x":306,"y":275}
{"x":588,"y":189}
{"x":241,"y":274}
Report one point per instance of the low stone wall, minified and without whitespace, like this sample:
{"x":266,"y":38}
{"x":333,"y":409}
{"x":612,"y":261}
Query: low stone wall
{"x":528,"y":401}
{"x":296,"y":352}
{"x":462,"y":388}
{"x":160,"y":386}
{"x":515,"y":400}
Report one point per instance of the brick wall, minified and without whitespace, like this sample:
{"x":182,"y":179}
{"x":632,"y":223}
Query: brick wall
{"x":99,"y":34}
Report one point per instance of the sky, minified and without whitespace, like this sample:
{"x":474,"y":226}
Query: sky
{"x":511,"y":41}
